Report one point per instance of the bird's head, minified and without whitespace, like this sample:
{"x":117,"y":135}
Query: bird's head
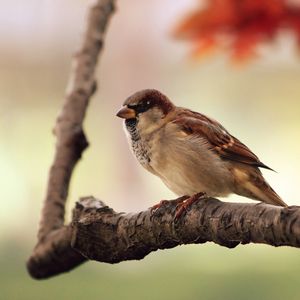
{"x":146,"y":110}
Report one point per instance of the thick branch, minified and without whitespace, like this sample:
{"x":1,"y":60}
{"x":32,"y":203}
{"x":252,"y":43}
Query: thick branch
{"x":101,"y":234}
{"x":54,"y":255}
{"x":71,"y":142}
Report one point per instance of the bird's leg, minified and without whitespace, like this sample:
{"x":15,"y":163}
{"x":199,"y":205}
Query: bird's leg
{"x":158,"y":205}
{"x":164,"y":202}
{"x":182,"y":206}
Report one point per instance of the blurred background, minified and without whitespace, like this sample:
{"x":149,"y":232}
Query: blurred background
{"x":258,"y":103}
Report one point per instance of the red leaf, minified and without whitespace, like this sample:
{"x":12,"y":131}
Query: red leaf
{"x":239,"y":25}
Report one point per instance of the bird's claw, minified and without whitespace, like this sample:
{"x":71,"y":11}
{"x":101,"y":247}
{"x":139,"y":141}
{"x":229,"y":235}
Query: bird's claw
{"x":162,"y":203}
{"x":182,"y":206}
{"x":155,"y":207}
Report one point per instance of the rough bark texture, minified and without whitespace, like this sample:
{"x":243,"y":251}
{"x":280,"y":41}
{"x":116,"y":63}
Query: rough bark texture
{"x":99,"y":233}
{"x":53,"y":237}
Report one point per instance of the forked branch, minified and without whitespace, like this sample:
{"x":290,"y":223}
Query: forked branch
{"x":96,"y":231}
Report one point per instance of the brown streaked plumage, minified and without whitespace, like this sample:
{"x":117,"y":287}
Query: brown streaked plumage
{"x":191,"y":152}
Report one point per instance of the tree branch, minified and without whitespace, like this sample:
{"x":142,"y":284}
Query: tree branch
{"x":53,"y":237}
{"x":101,"y":234}
{"x":97,"y":232}
{"x":71,"y":140}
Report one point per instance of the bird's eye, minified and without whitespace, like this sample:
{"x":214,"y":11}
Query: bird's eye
{"x":141,"y":107}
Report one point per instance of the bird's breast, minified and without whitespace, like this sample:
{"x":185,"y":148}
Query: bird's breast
{"x":142,"y":152}
{"x":188,"y":166}
{"x":140,"y":147}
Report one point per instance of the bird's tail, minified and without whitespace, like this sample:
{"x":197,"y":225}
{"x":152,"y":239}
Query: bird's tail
{"x":266,"y":194}
{"x":256,"y":187}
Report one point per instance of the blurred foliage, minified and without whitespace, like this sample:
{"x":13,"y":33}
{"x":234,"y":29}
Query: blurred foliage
{"x":190,"y":272}
{"x":239,"y":25}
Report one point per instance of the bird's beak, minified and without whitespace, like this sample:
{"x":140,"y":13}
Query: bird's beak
{"x":126,"y":113}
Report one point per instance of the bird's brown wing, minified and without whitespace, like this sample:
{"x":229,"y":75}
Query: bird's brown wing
{"x":221,"y":141}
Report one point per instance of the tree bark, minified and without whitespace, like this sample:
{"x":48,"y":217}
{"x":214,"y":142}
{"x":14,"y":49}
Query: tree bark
{"x":103,"y":235}
{"x":97,"y":232}
{"x":53,"y":237}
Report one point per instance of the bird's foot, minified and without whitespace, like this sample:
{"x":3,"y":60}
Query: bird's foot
{"x":162,"y":203}
{"x":155,"y":207}
{"x":182,"y":206}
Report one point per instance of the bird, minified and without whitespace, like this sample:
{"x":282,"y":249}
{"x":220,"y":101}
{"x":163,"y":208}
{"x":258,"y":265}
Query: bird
{"x":190,"y":152}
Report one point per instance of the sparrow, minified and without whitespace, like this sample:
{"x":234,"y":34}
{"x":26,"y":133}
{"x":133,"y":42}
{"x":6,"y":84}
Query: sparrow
{"x":190,"y":152}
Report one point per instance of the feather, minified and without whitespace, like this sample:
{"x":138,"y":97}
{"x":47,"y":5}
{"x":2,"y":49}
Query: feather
{"x":220,"y":140}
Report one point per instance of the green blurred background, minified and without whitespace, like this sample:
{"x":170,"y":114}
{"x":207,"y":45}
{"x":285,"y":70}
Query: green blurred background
{"x":259,"y":103}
